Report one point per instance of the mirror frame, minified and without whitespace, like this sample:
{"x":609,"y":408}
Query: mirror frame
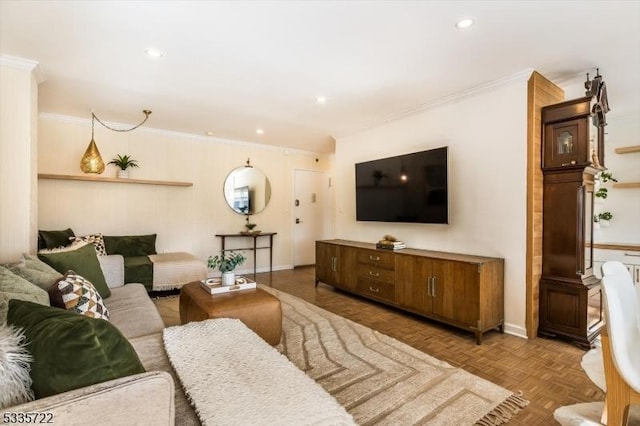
{"x":244,"y":184}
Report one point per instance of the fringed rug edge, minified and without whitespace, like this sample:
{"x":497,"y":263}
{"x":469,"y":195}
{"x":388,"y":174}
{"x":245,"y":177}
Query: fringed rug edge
{"x":504,"y":411}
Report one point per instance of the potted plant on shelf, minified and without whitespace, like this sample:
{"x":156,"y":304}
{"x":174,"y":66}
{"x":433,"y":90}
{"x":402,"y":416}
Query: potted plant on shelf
{"x":604,"y":218}
{"x":124,"y":162}
{"x":226,"y":262}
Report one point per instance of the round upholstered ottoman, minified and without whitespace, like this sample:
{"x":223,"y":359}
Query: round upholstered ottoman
{"x":257,"y":309}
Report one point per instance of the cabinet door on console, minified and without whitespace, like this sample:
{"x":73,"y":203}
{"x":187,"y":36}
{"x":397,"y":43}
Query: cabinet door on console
{"x":442,"y":288}
{"x":462,"y":292}
{"x":454,"y":291}
{"x":327,"y":264}
{"x":413,"y":283}
{"x":348,"y":266}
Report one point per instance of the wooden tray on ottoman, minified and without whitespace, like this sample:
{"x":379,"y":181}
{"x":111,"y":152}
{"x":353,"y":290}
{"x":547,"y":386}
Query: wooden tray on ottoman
{"x":257,"y":309}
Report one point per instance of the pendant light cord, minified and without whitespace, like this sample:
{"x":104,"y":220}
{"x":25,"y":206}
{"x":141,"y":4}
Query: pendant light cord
{"x":95,"y":117}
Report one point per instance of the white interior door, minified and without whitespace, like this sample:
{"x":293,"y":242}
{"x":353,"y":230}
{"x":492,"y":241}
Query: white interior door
{"x":311,"y":214}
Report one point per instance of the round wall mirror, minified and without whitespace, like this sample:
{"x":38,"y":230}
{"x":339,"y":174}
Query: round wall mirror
{"x":247,"y":190}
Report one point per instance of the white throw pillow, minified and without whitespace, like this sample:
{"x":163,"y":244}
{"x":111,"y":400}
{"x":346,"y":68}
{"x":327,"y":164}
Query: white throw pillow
{"x":15,"y":360}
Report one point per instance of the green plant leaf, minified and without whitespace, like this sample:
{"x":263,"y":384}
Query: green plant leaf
{"x":124,"y":162}
{"x":226,"y":261}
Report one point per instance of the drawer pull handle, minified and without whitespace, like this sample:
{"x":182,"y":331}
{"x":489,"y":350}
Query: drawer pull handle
{"x":372,"y":257}
{"x":375,"y":290}
{"x":374,"y":274}
{"x":632,"y":254}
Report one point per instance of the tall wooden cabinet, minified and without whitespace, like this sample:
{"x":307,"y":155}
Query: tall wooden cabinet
{"x":570,"y":294}
{"x":461,"y":290}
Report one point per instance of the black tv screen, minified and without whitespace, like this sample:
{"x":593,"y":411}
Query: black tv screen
{"x":407,"y":188}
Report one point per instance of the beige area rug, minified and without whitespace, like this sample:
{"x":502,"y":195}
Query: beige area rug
{"x":382,"y":381}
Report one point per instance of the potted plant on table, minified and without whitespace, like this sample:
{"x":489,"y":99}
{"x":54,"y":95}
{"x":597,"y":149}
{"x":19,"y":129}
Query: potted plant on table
{"x":226,"y":262}
{"x":249,"y":225}
{"x":124,"y":162}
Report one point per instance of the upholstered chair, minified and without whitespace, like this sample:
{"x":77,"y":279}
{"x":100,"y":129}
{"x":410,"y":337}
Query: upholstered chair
{"x":613,"y":267}
{"x":620,"y":344}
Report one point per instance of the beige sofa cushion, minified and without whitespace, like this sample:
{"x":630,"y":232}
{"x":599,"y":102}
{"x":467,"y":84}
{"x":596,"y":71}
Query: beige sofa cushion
{"x":133,"y":312}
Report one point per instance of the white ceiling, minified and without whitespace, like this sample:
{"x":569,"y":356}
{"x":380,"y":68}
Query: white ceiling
{"x":233,"y":67}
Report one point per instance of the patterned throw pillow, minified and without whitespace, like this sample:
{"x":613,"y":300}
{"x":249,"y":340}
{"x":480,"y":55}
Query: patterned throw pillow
{"x":75,"y":293}
{"x":96,"y":239}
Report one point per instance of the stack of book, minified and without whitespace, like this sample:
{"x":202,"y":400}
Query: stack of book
{"x":390,"y":245}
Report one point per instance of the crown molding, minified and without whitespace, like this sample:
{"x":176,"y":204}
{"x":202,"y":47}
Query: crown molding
{"x":24,"y":64}
{"x":170,"y":133}
{"x":520,"y":76}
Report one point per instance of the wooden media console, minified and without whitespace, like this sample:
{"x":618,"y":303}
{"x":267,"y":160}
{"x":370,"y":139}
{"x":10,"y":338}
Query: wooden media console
{"x":457,"y":289}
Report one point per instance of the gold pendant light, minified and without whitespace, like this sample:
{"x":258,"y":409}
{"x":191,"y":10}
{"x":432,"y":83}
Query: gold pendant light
{"x":91,"y":161}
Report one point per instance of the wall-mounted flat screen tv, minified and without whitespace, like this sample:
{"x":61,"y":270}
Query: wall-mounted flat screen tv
{"x":241,"y":199}
{"x":408,"y":188}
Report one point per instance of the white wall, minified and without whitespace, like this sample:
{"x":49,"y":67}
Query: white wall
{"x":486,"y":134}
{"x":623,"y":129}
{"x":18,"y":145}
{"x":185,"y":218}
{"x":623,"y":203}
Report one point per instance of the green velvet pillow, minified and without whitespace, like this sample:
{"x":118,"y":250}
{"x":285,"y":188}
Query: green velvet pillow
{"x":55,"y":239}
{"x":70,"y":350}
{"x":13,"y":286}
{"x":81,"y":258}
{"x":36,"y":272}
{"x":133,"y":245}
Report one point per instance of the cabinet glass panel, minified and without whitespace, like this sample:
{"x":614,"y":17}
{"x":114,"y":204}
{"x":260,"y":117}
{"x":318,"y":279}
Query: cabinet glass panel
{"x":564,"y":144}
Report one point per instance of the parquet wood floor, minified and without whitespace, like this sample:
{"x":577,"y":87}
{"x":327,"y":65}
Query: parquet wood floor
{"x":546,"y":371}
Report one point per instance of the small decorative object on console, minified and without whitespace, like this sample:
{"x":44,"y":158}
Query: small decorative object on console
{"x":250,"y":227}
{"x":389,"y":242}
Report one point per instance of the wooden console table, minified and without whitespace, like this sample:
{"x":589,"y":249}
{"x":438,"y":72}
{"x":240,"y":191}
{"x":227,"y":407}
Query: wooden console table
{"x":254,"y":248}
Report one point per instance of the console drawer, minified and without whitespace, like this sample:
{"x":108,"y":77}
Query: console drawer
{"x":376,"y":289}
{"x":375,"y":272}
{"x":376,"y":257}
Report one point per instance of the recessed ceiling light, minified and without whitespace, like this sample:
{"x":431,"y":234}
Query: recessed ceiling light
{"x":464,"y":23}
{"x":154,"y":53}
{"x":321,"y":99}
{"x":209,"y":133}
{"x":259,"y":131}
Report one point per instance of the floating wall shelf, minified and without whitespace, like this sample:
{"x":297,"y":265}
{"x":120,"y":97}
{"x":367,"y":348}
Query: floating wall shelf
{"x":617,"y":246}
{"x":628,"y":149}
{"x":112,"y":180}
{"x":621,"y":185}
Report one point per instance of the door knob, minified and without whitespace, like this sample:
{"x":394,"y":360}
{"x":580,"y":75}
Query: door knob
{"x":298,"y":220}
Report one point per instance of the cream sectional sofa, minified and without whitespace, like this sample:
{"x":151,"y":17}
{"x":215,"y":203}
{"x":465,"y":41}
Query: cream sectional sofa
{"x":142,"y":263}
{"x":151,"y":398}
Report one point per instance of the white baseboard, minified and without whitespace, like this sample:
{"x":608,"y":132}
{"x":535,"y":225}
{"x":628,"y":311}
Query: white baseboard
{"x":515,"y":330}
